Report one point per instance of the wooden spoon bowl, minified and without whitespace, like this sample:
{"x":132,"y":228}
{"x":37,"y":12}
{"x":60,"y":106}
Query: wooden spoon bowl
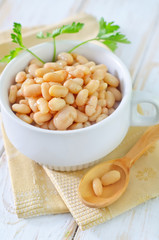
{"x":110,"y":192}
{"x":113,"y":192}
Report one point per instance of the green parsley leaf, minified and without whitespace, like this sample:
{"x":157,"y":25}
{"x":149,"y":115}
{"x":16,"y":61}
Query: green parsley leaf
{"x":17,"y":27}
{"x":110,"y":44}
{"x":112,"y":40}
{"x":69,"y":28}
{"x":105,"y":28}
{"x":40,"y":35}
{"x":13,"y":54}
{"x":72,"y":28}
{"x":118,"y":37}
{"x":107,"y":35}
{"x":55,"y":33}
{"x":16,"y":37}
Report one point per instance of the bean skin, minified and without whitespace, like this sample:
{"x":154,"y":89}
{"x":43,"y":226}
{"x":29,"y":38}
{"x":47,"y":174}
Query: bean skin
{"x":25,"y":118}
{"x":73,"y":86}
{"x":33,"y":90}
{"x":69,"y":98}
{"x":111,"y":80}
{"x":42,"y":105}
{"x":97,"y":187}
{"x":20,"y":77}
{"x":82,"y":97}
{"x":65,"y":117}
{"x":75,"y":126}
{"x":13,"y":94}
{"x":67,"y":57}
{"x":58,"y":91}
{"x":32,"y":69}
{"x":110,"y":99}
{"x":110,"y":177}
{"x":45,"y":91}
{"x":21,"y":108}
{"x":101,"y":117}
{"x":96,"y":114}
{"x":91,"y":106}
{"x":92,"y":86}
{"x":41,"y":118}
{"x":40,"y":72}
{"x":58,"y":76}
{"x":117,"y":94}
{"x":53,"y":65}
{"x":33,"y":104}
{"x":81,"y":117}
{"x":56,"y":104}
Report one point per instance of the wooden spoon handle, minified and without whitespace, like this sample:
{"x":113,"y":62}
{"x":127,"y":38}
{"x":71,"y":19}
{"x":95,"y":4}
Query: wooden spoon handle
{"x":149,"y":137}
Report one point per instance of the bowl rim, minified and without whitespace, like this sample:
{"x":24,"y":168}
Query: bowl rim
{"x":65,"y":132}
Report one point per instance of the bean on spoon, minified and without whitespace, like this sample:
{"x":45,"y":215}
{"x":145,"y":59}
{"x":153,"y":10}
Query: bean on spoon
{"x":113,"y":192}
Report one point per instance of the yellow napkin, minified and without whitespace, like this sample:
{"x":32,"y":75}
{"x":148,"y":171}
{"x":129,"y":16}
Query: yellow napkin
{"x":144,"y":182}
{"x":34,"y":191}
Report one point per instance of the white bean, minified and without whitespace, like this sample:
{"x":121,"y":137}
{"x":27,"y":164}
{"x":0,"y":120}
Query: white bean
{"x":65,"y":117}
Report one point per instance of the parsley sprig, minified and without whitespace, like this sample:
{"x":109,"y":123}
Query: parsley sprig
{"x":70,"y":28}
{"x":13,"y":54}
{"x":16,"y":37}
{"x":108,"y":35}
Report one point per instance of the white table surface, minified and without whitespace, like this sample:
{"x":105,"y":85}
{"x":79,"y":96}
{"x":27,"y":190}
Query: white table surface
{"x":139,"y":20}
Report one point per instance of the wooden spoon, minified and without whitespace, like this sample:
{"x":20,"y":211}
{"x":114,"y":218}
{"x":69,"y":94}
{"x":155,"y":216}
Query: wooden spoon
{"x":113,"y":192}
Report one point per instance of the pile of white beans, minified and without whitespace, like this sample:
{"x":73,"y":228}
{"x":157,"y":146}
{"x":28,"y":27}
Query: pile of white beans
{"x":68,"y":94}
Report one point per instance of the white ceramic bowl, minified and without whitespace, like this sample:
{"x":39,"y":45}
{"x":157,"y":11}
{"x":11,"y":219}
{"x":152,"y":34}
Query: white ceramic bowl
{"x":72,"y":150}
